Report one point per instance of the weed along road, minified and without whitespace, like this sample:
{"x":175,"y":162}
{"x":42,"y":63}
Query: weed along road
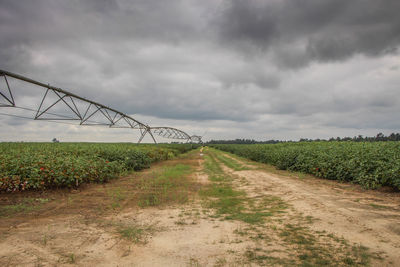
{"x":203,"y":208}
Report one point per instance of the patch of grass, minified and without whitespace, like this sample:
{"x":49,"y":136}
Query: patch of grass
{"x":337,"y":239}
{"x":295,"y":234}
{"x":220,"y":262}
{"x":211,"y":165}
{"x":239,"y":158}
{"x":117,"y":196}
{"x":221,"y":191}
{"x":272,"y":204}
{"x":180,"y":222}
{"x":240,"y":232}
{"x":219,"y":178}
{"x":260,"y":236}
{"x":309,"y":219}
{"x":25,"y":206}
{"x":229,"y":162}
{"x":71,"y":258}
{"x":193,"y":262}
{"x":135,"y":233}
{"x":16,"y":208}
{"x":234,"y":204}
{"x":214,"y":170}
{"x":326,"y":250}
{"x":42,"y":200}
{"x":360,"y":256}
{"x":45,"y":239}
{"x":131,"y":233}
{"x":376,"y":206}
{"x":262,"y":257}
{"x":171,"y":184}
{"x":251,"y":217}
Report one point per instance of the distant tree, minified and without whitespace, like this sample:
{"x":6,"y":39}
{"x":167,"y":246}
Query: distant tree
{"x":380,"y":137}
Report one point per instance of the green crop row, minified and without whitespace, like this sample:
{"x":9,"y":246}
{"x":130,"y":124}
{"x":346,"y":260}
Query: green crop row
{"x":371,"y":165}
{"x":26,"y":166}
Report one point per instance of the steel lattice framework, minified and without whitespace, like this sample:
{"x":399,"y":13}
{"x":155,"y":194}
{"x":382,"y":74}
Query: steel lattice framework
{"x":84,"y":111}
{"x":169,"y":132}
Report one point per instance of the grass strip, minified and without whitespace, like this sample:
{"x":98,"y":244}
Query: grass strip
{"x":230,"y":163}
{"x":171,"y":184}
{"x":232,"y":204}
{"x":302,"y":246}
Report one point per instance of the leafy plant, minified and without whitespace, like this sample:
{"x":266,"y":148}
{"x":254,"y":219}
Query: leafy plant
{"x":38,"y":166}
{"x":371,"y":165}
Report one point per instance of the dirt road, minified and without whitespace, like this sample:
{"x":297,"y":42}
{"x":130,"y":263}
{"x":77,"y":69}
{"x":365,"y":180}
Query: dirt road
{"x":225,"y":211}
{"x":365,"y":217}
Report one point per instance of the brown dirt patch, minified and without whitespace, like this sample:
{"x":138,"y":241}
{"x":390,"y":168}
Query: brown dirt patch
{"x":367,"y":217}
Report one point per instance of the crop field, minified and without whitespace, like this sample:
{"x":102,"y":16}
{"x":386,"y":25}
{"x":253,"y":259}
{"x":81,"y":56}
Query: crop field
{"x":206,"y":207}
{"x":37,"y":166}
{"x":371,"y":165}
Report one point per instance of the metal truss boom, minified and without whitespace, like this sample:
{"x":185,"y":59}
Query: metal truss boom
{"x":169,"y":132}
{"x":85,"y":111}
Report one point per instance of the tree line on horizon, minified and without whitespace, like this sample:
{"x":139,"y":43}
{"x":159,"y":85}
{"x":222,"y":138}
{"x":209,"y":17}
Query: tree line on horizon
{"x":378,"y":138}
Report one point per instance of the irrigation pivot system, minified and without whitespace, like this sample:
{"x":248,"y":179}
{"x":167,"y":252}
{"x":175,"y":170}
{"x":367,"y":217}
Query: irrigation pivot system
{"x":60,"y":105}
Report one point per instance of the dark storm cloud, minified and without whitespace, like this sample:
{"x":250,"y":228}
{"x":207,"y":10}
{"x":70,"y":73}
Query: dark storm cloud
{"x":71,"y":24}
{"x":324,"y":30}
{"x":275,"y":66}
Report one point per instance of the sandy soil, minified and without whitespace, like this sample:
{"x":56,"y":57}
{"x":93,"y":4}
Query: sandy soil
{"x":81,"y":233}
{"x":76,"y":234}
{"x":371,"y":218}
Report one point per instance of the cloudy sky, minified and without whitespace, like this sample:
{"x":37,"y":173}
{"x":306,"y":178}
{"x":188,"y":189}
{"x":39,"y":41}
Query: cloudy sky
{"x":262,"y":69}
